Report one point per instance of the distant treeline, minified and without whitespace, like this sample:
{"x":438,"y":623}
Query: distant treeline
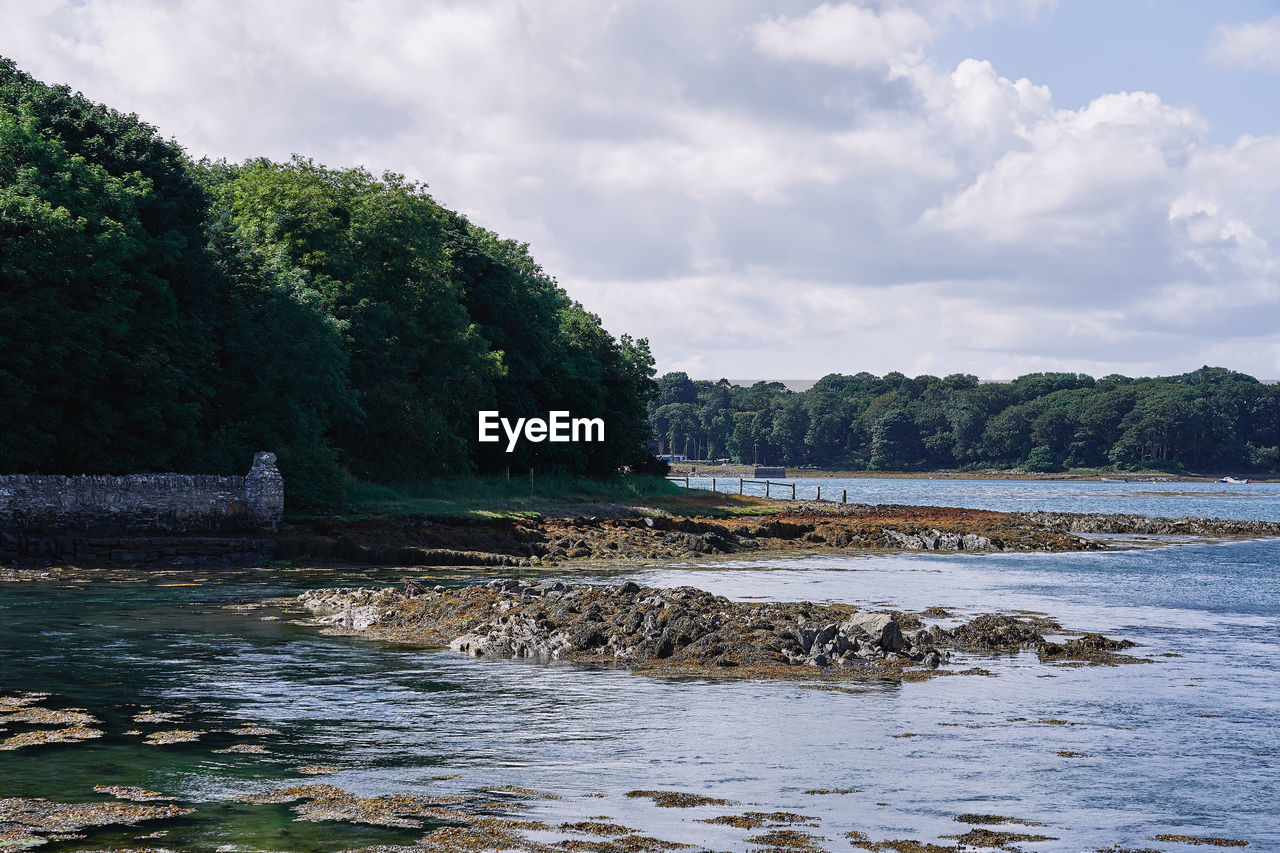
{"x":159,"y":314}
{"x":1209,"y":420}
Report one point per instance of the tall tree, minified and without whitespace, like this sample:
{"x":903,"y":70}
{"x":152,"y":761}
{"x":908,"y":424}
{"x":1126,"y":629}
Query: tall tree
{"x":373,"y":250}
{"x":101,"y":370}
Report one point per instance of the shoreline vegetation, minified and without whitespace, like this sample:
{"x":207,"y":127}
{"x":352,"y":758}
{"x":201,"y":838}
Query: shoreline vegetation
{"x":166,"y":314}
{"x":1211,"y":419}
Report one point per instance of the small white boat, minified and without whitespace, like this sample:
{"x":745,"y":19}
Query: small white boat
{"x":1244,"y":482}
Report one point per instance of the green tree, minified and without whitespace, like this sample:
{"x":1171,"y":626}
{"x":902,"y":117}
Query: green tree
{"x":1042,"y":459}
{"x":97,"y":372}
{"x":788,"y":430}
{"x":1006,"y":439}
{"x":373,"y":250}
{"x":1053,"y":428}
{"x":282,"y":373}
{"x":1210,"y":417}
{"x":675,"y":387}
{"x":157,"y":313}
{"x":682,"y":428}
{"x":895,"y":442}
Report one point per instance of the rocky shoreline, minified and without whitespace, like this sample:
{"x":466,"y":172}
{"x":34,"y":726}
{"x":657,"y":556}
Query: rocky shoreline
{"x":637,"y":536}
{"x":1128,"y":524}
{"x":806,"y":527}
{"x":685,"y":631}
{"x":555,"y":540}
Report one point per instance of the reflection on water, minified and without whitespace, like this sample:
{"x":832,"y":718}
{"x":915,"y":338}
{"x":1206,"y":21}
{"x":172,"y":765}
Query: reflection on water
{"x":1183,"y":745}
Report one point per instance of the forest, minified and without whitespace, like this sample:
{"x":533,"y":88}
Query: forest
{"x":163,"y":314}
{"x":1209,"y":420}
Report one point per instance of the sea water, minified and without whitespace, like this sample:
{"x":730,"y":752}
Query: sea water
{"x":1185,"y":744}
{"x":1245,"y":501}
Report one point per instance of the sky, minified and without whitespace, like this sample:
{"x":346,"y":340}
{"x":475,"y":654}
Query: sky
{"x":777,"y":189}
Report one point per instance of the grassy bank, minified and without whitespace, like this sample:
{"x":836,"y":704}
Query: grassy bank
{"x":498,"y":497}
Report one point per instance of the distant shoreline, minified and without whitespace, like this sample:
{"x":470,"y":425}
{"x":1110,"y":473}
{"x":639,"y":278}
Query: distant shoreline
{"x":733,"y":472}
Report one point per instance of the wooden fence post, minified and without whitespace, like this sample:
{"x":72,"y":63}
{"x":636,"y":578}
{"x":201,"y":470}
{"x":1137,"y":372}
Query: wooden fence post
{"x":739,"y":485}
{"x":844,"y":496}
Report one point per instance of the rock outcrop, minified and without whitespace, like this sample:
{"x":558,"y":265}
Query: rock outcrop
{"x":678,"y":631}
{"x":539,"y":541}
{"x":1124,"y":523}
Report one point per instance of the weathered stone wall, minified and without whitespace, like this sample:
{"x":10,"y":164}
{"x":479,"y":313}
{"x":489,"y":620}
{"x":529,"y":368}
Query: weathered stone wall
{"x":152,"y":502}
{"x":264,"y":491}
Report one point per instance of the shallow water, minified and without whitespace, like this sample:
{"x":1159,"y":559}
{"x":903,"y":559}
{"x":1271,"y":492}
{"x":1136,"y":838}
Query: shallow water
{"x":1254,"y":501}
{"x":1183,"y":745}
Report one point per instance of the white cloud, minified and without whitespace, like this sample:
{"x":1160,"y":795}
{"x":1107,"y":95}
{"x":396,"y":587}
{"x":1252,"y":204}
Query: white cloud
{"x":1251,"y":45}
{"x":768,"y":187}
{"x":844,"y":34}
{"x":708,"y":155}
{"x":875,"y":35}
{"x":1084,"y":176}
{"x":986,"y":112}
{"x":973,"y":13}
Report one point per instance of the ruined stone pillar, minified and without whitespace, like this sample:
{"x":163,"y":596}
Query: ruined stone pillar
{"x":264,"y":491}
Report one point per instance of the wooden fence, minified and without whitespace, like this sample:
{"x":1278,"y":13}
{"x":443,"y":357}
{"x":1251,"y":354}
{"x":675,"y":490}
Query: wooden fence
{"x":768,"y":484}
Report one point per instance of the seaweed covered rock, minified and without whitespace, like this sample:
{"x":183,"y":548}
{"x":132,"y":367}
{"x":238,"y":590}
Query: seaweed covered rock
{"x":682,"y":630}
{"x":639,"y":626}
{"x":992,"y":632}
{"x":1000,"y":633}
{"x":1091,"y":648}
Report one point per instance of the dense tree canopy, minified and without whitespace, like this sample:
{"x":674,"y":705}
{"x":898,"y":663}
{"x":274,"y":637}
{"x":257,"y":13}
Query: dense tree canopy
{"x":104,"y":315}
{"x":161,"y":314}
{"x":1208,"y":420}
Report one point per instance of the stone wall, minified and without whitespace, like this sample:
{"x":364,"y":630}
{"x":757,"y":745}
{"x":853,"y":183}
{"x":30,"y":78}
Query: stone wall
{"x":144,"y":502}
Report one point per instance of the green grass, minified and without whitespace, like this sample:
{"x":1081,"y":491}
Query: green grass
{"x":498,"y":497}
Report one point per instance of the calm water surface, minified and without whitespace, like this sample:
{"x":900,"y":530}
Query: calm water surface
{"x":1184,"y":745}
{"x":1254,"y":501}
